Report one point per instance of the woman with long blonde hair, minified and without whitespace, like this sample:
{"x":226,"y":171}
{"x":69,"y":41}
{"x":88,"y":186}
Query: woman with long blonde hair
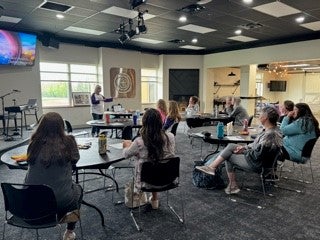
{"x":173,"y":115}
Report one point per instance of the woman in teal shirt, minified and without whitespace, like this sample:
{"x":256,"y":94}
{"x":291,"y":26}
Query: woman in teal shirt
{"x":296,"y":133}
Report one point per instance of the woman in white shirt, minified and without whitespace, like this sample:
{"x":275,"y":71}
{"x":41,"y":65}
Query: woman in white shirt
{"x":97,"y":107}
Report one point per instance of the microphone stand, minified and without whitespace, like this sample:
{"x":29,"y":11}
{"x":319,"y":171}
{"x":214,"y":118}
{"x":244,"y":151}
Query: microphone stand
{"x":3,"y":115}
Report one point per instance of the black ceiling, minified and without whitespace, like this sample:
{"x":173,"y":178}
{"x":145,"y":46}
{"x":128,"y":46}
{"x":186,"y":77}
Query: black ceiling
{"x":225,"y":16}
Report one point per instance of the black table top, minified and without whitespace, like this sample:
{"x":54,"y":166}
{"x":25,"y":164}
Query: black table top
{"x":236,"y":137}
{"x":89,"y":158}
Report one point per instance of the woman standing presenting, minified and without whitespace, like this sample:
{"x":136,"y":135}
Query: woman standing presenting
{"x":51,"y":154}
{"x":97,"y":107}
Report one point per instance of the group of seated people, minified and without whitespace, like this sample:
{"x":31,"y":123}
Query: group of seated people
{"x":232,"y":108}
{"x":51,"y":152}
{"x":297,"y":127}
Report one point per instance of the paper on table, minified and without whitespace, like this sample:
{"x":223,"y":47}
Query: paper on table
{"x":234,"y":138}
{"x":198,"y":135}
{"x":116,"y":145}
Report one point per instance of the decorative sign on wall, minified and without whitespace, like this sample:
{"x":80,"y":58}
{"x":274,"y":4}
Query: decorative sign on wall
{"x":122,"y":82}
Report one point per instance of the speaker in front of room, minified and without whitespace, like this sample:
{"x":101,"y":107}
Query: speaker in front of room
{"x":49,"y":40}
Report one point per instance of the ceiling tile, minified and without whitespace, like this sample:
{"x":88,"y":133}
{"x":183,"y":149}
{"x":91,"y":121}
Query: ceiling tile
{"x":242,"y":38}
{"x":276,"y":9}
{"x":315,"y":26}
{"x":196,"y":28}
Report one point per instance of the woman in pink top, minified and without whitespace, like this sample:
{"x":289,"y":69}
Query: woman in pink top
{"x":162,"y":108}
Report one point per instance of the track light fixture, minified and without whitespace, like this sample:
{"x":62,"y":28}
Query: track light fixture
{"x":127,"y":35}
{"x":141,"y":28}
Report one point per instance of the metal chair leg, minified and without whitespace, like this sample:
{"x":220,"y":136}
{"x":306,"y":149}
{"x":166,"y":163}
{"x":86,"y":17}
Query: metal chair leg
{"x":4,"y":229}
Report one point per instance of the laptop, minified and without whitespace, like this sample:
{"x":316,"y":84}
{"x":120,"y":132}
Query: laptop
{"x":32,"y":102}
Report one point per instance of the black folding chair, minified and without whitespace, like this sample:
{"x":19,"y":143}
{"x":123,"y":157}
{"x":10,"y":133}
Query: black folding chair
{"x":30,"y":206}
{"x":158,"y":177}
{"x":305,"y":158}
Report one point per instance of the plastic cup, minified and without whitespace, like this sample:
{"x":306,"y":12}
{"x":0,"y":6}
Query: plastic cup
{"x":107,"y":118}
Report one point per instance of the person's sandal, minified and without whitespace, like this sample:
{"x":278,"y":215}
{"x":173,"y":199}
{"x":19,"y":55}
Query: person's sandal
{"x":207,"y":170}
{"x":228,"y":190}
{"x":69,"y":235}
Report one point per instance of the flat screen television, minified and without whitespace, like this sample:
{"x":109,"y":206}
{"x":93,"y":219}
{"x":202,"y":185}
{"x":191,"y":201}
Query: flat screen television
{"x":17,"y":48}
{"x":278,"y":86}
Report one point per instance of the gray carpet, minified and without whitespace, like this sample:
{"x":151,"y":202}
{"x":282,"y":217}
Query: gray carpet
{"x":209,"y":214}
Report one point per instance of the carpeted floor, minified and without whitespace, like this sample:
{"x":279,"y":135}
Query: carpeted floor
{"x":209,"y":214}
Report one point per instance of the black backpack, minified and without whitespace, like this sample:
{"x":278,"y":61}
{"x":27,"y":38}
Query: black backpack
{"x":202,"y":180}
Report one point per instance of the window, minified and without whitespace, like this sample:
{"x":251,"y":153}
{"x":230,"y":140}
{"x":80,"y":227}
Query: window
{"x":149,"y":85}
{"x":259,"y":84}
{"x":59,"y":80}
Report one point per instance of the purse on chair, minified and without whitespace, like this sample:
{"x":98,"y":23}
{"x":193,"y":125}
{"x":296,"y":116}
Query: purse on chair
{"x":134,"y":199}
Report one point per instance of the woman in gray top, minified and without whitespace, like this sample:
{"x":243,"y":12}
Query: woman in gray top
{"x":250,"y":156}
{"x":51,"y":154}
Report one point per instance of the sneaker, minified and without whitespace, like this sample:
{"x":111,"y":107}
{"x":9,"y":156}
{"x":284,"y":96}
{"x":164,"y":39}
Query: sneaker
{"x":154,"y":203}
{"x":207,"y":170}
{"x":233,"y":190}
{"x":69,"y":235}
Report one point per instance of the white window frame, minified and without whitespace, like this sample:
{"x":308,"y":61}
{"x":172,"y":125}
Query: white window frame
{"x":69,"y":80}
{"x":154,"y":79}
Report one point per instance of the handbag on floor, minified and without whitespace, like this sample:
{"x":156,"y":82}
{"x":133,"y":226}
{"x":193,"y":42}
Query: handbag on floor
{"x":138,"y":198}
{"x":202,"y":180}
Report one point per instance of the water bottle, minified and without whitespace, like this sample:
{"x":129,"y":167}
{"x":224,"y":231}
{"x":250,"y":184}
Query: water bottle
{"x":216,"y":111}
{"x":220,"y":128}
{"x":102,"y":143}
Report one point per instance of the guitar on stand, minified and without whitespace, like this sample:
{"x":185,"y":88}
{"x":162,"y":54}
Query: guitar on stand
{"x":4,"y":116}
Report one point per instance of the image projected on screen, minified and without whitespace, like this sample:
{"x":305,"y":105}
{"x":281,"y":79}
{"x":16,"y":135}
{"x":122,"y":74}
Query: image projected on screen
{"x":17,"y":48}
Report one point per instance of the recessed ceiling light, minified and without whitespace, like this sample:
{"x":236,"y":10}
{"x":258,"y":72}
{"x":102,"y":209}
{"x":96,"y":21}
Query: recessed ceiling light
{"x":194,"y":40}
{"x":311,"y":68}
{"x":60,"y":16}
{"x":182,"y":19}
{"x":300,"y":19}
{"x":238,"y":32}
{"x":84,"y":30}
{"x":192,"y":47}
{"x":247,"y":1}
{"x":296,"y":65}
{"x":147,"y":40}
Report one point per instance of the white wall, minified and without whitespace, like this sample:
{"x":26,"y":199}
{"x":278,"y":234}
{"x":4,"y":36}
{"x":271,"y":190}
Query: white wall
{"x":306,"y":50}
{"x":25,"y":79}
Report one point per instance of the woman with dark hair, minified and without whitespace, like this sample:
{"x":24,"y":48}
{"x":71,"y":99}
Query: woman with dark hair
{"x":303,"y":128}
{"x":193,"y":107}
{"x":51,"y":154}
{"x":285,"y":109}
{"x":153,"y":144}
{"x":249,"y":156}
